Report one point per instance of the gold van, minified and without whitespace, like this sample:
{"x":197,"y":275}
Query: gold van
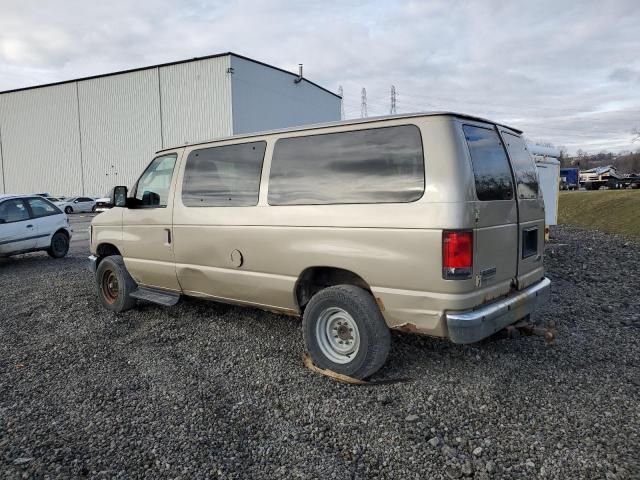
{"x":429,"y":223}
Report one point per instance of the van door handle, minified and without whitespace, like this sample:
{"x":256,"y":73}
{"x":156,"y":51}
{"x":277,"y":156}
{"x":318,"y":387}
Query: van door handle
{"x":29,"y":226}
{"x":168,"y":230}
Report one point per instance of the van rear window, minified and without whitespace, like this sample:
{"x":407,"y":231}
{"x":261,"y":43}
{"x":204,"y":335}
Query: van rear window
{"x":380,"y":165}
{"x":523,"y":166}
{"x":490,"y":164}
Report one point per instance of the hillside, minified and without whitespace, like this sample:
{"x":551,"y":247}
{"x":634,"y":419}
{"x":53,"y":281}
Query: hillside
{"x":613,"y":211}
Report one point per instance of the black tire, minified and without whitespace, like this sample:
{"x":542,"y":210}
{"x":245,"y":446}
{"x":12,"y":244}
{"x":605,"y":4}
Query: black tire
{"x":59,"y":245}
{"x":115,"y":285}
{"x":68,"y":210}
{"x":93,"y":209}
{"x":374,"y":339}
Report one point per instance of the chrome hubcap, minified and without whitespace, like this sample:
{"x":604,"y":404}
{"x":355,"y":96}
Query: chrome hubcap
{"x":338,"y":335}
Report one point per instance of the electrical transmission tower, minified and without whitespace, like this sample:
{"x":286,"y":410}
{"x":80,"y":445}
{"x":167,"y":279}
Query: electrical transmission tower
{"x":363,"y":103}
{"x":393,"y":100}
{"x":341,"y":93}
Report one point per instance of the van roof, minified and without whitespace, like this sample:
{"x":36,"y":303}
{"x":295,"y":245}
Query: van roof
{"x":356,"y":121}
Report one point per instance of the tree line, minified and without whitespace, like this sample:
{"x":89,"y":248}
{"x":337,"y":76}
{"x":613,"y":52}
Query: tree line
{"x":625,"y":162}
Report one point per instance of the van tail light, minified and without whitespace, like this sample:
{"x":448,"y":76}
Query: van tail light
{"x":457,"y":254}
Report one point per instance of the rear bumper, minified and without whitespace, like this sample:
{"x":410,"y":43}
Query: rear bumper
{"x":474,"y":325}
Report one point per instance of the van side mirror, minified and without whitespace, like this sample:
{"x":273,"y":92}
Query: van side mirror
{"x":119,"y":196}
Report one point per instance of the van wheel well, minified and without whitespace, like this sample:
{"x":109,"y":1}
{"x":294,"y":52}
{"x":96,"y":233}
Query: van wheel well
{"x":107,"y":250}
{"x":314,"y":279}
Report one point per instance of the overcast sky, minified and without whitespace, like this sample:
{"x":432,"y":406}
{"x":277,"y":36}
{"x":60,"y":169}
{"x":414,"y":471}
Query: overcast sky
{"x":567,"y":72}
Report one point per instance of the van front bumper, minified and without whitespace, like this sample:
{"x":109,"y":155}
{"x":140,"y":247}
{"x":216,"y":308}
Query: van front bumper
{"x":474,"y":325}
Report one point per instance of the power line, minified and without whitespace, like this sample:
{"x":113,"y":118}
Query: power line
{"x":492,"y":106}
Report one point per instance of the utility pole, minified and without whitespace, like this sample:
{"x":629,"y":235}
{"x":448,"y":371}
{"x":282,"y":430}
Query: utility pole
{"x":341,"y":93}
{"x":363,"y":103}
{"x":393,"y":100}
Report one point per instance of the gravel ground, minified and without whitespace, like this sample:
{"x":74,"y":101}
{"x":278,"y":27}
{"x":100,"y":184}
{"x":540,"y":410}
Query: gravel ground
{"x":204,"y":390}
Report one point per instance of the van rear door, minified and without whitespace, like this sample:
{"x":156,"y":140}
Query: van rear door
{"x":530,"y":210}
{"x":496,"y":214}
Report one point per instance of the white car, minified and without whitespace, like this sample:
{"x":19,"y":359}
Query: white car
{"x":103,"y":204}
{"x":76,"y":205}
{"x":29,"y":223}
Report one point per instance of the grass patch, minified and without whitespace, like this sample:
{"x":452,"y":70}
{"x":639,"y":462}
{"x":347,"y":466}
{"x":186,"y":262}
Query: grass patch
{"x":613,"y":211}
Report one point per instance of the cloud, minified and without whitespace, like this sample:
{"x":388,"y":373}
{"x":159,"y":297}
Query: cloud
{"x":561,"y":71}
{"x":625,"y":75}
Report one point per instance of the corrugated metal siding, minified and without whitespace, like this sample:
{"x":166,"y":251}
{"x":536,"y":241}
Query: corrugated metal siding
{"x":74,"y":137}
{"x":120,"y":126}
{"x":1,"y":166}
{"x":40,"y":140}
{"x":265,"y":98}
{"x":196,"y":101}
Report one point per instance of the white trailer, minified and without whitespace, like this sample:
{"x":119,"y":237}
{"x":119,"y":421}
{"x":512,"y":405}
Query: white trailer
{"x":546,"y":159}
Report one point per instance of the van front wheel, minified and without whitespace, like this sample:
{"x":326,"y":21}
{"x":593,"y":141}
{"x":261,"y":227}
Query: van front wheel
{"x":344,"y":331}
{"x":115,"y":284}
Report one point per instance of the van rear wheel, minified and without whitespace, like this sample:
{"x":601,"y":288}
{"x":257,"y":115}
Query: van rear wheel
{"x":345,"y":331}
{"x":115,"y":285}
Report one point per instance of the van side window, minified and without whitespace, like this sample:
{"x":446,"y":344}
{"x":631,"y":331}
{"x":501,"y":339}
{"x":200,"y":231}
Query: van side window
{"x":490,"y":164}
{"x":523,"y":166}
{"x":380,"y":165}
{"x":152,"y":189}
{"x":224,"y":176}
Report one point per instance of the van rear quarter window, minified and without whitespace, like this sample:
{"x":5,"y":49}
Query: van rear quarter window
{"x":226,"y":176}
{"x":490,"y":164}
{"x":379,"y":165}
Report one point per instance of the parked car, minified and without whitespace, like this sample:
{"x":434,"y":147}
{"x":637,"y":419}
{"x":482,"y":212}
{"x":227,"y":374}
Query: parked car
{"x":103,"y":204}
{"x":77,"y":205}
{"x":31,"y":223}
{"x":430,"y":223}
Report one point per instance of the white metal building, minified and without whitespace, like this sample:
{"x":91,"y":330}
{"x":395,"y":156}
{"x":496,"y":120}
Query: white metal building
{"x":82,"y":137}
